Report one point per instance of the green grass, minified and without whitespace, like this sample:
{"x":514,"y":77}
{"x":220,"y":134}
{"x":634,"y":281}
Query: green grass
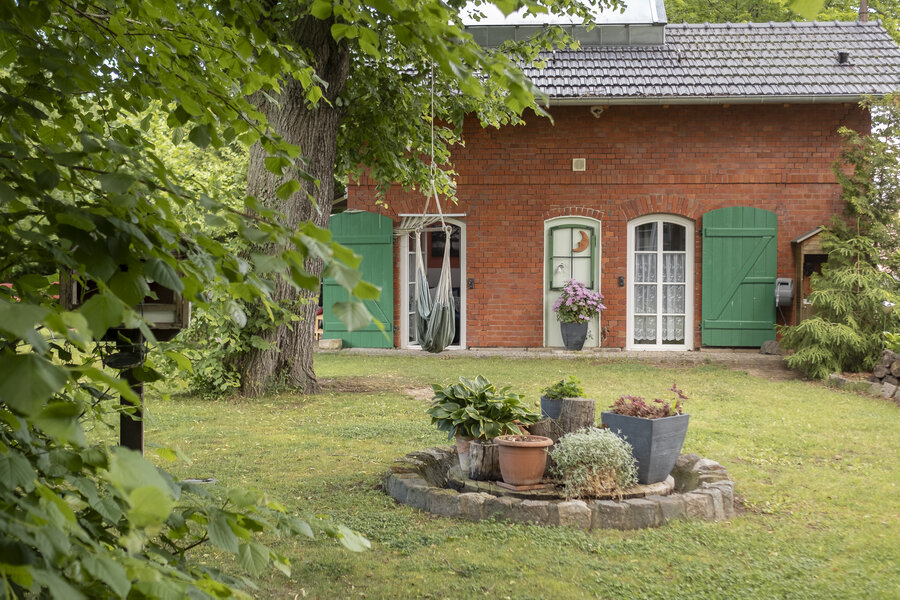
{"x":816,"y":469}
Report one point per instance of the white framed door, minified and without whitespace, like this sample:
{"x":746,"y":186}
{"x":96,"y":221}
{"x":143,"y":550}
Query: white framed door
{"x":660,"y":292}
{"x":571,"y":251}
{"x":432,"y":247}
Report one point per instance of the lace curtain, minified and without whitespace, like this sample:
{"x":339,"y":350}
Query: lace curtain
{"x":646,"y":320}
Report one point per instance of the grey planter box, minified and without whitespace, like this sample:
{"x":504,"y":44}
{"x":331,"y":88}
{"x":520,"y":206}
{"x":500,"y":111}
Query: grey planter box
{"x":655,"y":443}
{"x":551,"y":407}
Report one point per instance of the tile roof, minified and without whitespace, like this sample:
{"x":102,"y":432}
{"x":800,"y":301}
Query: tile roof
{"x":730,"y":62}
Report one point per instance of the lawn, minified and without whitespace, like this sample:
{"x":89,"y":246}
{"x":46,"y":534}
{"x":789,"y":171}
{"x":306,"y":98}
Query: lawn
{"x":816,"y":470}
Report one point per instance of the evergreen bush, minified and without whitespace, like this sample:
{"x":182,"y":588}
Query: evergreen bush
{"x":860,"y":276}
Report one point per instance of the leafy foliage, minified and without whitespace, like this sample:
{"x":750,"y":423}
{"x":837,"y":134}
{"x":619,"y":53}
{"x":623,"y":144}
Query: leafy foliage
{"x":849,"y":296}
{"x":731,"y":11}
{"x":477,"y":409}
{"x":87,"y":187}
{"x":636,"y":406}
{"x":892,"y":341}
{"x":568,"y":387}
{"x":592,"y":463}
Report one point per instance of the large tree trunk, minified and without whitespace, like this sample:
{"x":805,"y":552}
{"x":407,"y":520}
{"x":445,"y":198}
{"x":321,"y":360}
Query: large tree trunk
{"x":314,"y":129}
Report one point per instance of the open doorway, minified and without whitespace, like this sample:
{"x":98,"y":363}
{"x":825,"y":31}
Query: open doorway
{"x":433,"y":240}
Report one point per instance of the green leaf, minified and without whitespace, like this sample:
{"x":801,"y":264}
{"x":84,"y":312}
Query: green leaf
{"x":236,"y":313}
{"x":277,"y":164}
{"x":253,"y":557}
{"x":149,"y":506}
{"x":163,"y":273}
{"x":27,"y":381}
{"x":108,"y":571}
{"x":115,"y":183}
{"x":102,"y":311}
{"x":200,"y":136}
{"x":75,"y":220}
{"x":128,"y":470}
{"x":321,"y":9}
{"x":60,"y":420}
{"x":16,"y":471}
{"x":288,"y":189}
{"x":354,"y":315}
{"x":367,"y":291}
{"x":221,"y":534}
{"x":130,"y":287}
{"x":346,"y":277}
{"x":58,"y":587}
{"x":183,"y":362}
{"x":20,"y":319}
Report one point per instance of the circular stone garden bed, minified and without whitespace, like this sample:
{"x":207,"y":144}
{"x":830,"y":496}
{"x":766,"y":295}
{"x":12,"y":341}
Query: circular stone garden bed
{"x":431,"y":480}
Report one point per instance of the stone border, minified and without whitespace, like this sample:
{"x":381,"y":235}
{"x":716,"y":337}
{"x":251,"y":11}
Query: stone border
{"x":702,"y":491}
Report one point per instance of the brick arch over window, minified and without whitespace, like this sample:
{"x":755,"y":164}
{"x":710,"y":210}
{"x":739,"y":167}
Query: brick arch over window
{"x":573,"y":211}
{"x":662,"y":204}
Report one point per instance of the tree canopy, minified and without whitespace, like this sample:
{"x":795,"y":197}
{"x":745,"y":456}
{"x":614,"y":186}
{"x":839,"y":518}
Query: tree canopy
{"x":88,"y":190}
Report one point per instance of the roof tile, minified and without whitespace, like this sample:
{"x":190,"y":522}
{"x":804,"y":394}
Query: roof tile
{"x":731,"y":60}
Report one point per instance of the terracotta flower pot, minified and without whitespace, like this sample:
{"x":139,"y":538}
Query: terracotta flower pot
{"x":523,"y":458}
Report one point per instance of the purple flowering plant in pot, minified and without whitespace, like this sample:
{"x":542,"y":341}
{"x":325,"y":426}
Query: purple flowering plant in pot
{"x":575,"y":307}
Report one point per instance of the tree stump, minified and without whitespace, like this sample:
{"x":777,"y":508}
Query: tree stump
{"x":484,"y":461}
{"x":575,"y":414}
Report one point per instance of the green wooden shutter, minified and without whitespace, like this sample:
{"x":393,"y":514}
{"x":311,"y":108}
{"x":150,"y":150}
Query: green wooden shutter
{"x":371,"y":236}
{"x":739,"y":269}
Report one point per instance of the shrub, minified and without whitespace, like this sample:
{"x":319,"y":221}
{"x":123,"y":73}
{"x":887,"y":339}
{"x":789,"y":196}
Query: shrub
{"x":570,"y":387}
{"x":592,"y":463}
{"x":860,"y":278}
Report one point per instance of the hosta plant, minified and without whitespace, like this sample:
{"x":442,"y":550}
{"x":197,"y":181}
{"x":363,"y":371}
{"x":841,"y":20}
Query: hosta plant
{"x":476,"y":408}
{"x":593,"y":463}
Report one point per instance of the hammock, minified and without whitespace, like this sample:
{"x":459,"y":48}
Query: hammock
{"x":435,"y":318}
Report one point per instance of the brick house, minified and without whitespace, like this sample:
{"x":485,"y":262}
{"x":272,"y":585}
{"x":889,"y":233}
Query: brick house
{"x":681,"y":162}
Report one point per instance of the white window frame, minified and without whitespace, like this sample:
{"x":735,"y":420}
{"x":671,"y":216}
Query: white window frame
{"x":405,"y":281}
{"x":688,"y":277}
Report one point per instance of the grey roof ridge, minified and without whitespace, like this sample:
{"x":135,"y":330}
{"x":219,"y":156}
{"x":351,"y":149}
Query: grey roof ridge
{"x":774,"y":24}
{"x":707,"y":99}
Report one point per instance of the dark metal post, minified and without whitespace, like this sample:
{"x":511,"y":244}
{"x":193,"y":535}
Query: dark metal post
{"x":131,"y":423}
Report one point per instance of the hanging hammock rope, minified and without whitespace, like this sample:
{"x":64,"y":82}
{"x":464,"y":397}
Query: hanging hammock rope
{"x":435,"y":316}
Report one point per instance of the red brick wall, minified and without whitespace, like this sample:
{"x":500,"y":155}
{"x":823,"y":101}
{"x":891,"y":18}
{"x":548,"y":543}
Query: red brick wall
{"x":683,"y":160}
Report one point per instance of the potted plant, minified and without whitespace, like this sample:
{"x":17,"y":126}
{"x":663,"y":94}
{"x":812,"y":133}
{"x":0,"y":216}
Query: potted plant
{"x":553,"y":395}
{"x":655,"y":430}
{"x":575,"y":307}
{"x":593,"y":463}
{"x":523,"y":458}
{"x":475,"y":409}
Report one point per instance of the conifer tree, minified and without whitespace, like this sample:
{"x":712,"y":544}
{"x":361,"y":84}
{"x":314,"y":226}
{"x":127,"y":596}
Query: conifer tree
{"x":859,"y":282}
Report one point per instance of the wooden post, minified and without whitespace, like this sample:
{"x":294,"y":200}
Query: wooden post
{"x":131,"y":424}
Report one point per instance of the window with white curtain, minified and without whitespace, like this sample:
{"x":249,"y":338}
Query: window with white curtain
{"x":660,"y":276}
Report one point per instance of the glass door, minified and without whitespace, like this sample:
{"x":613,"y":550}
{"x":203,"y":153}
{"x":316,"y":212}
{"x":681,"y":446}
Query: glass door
{"x":660,"y":265}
